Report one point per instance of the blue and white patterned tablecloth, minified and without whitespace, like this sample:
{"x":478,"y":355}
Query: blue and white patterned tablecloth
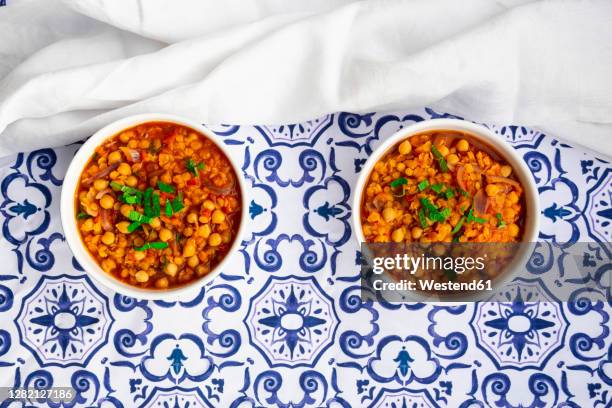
{"x":284,"y":326}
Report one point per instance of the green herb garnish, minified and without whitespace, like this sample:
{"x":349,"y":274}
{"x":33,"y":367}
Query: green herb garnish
{"x":82,"y":215}
{"x":177,"y":202}
{"x":445,"y":213}
{"x":156,"y":205}
{"x":193,"y":167}
{"x":438,"y":187}
{"x":125,"y":189}
{"x":472,"y":218}
{"x":423,"y":185}
{"x":422,"y":219}
{"x":168,"y":208}
{"x":152,"y":245}
{"x":441,"y":159}
{"x":138,"y":217}
{"x":133,"y":226}
{"x":166,"y":188}
{"x":449,"y":193}
{"x":148,"y":207}
{"x":130,"y":199}
{"x":500,"y":221}
{"x":428,"y":205}
{"x":458,"y":226}
{"x":433,"y":213}
{"x":398,"y":182}
{"x":463,"y":192}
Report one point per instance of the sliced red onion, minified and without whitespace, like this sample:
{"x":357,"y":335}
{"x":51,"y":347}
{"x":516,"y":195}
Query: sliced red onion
{"x":105,"y":218}
{"x":100,"y":174}
{"x":503,"y":180}
{"x":101,"y":193}
{"x":132,"y":155}
{"x":481,"y":202}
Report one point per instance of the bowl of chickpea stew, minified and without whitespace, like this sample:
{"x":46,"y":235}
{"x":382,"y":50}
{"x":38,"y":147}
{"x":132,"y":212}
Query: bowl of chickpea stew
{"x":153,"y":206}
{"x":445,"y":180}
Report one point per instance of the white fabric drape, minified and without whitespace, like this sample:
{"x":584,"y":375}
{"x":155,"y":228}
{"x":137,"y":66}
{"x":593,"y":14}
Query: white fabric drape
{"x":69,"y":67}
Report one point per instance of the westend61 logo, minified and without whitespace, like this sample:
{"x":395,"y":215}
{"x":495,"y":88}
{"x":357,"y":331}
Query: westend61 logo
{"x":409,"y":272}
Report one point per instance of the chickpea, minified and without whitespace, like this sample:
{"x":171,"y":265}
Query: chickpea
{"x":108,"y":238}
{"x":171,"y":269}
{"x":389,"y":214}
{"x":107,"y":201}
{"x":125,"y":210}
{"x":131,"y":181}
{"x":398,"y":235}
{"x":165,"y":234}
{"x":513,"y":230}
{"x":443,"y":150}
{"x":166,"y":178}
{"x":202,"y":270}
{"x":416,"y":232}
{"x":462,"y":145}
{"x":144,"y":144}
{"x":452,"y":159}
{"x":87,"y":225}
{"x":108,"y":265}
{"x":161,"y":283}
{"x":124,"y":137}
{"x":443,"y":230}
{"x":142,"y":276}
{"x":155,"y":223}
{"x":492,"y":190}
{"x":214,"y":239}
{"x":509,"y":213}
{"x":124,"y":169}
{"x":139,"y":255}
{"x":505,"y":171}
{"x":122,"y":227}
{"x":374,"y":217}
{"x":405,"y":147}
{"x":192,"y":218}
{"x":218,"y":217}
{"x":114,"y":174}
{"x":193,"y":261}
{"x":189,"y":250}
{"x":513,"y":197}
{"x":114,"y":157}
{"x":100,"y":184}
{"x":204,"y":231}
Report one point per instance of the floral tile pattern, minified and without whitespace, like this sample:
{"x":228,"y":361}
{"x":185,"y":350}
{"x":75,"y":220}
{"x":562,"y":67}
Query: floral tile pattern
{"x":284,"y":325}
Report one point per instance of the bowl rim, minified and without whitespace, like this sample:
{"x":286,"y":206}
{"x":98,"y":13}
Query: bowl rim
{"x":474,"y":130}
{"x":68,"y":218}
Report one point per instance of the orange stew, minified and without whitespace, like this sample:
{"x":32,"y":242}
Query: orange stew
{"x":158,"y":205}
{"x":442,"y":186}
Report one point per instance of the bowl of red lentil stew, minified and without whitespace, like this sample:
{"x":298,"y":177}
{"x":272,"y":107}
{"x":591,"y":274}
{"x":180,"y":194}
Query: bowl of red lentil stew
{"x":445,"y":181}
{"x":153,"y":206}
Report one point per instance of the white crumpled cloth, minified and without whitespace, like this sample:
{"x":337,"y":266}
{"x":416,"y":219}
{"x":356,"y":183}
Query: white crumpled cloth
{"x":69,"y":67}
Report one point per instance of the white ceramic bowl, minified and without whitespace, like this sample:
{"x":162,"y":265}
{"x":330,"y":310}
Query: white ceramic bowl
{"x":69,"y":223}
{"x":478,"y":132}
